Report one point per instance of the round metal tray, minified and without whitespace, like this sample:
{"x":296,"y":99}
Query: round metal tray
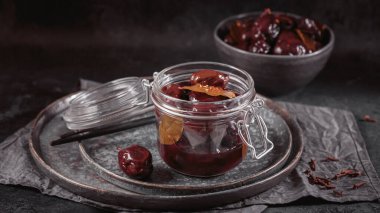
{"x":101,"y":154}
{"x":64,"y":165}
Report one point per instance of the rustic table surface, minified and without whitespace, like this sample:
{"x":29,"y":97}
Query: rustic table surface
{"x":46,"y":46}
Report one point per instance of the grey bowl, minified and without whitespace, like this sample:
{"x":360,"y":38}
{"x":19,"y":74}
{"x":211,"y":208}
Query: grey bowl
{"x":273,"y":74}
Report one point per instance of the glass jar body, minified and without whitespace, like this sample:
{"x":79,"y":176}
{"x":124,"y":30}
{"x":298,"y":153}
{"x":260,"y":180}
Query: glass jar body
{"x":201,"y":138}
{"x":202,"y":147}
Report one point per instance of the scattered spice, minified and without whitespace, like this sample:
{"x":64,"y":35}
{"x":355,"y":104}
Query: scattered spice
{"x":312,"y":164}
{"x":307,"y":172}
{"x":347,"y":172}
{"x":337,"y":193}
{"x":368,"y":118}
{"x":315,"y":180}
{"x":330,"y":187}
{"x":358,"y":185}
{"x":330,"y":158}
{"x":326,"y":183}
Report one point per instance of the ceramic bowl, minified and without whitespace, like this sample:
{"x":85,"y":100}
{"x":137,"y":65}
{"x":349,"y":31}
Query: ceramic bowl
{"x":273,"y":74}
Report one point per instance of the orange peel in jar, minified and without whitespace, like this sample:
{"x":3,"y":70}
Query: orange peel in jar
{"x":244,"y":150}
{"x":210,"y":90}
{"x":170,"y":129}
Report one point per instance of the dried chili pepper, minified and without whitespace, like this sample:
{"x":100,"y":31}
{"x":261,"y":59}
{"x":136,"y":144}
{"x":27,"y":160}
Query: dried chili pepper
{"x":307,"y":172}
{"x":368,"y":118}
{"x":312,"y":164}
{"x":330,"y":158}
{"x":337,"y":193}
{"x":354,"y":173}
{"x":330,"y":187}
{"x":315,"y":180}
{"x":347,"y":172}
{"x":312,"y":179}
{"x":358,"y":185}
{"x":324,"y":182}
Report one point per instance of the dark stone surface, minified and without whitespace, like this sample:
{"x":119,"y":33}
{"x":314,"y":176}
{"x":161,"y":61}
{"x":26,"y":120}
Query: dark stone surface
{"x":45,"y":46}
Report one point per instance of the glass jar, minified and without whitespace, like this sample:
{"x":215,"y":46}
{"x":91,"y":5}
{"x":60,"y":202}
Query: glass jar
{"x":207,"y":138}
{"x":194,"y":138}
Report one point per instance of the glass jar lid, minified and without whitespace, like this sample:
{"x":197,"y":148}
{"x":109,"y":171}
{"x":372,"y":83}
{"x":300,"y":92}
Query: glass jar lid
{"x":113,"y":102}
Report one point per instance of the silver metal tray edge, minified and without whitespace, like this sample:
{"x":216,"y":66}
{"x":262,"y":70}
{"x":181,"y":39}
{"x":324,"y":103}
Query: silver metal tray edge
{"x":129,"y":199}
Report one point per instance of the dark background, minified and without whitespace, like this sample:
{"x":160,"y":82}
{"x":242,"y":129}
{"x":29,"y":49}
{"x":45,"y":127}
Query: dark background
{"x":47,"y":45}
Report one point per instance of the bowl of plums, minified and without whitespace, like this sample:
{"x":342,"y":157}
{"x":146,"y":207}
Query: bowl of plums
{"x":282,"y":51}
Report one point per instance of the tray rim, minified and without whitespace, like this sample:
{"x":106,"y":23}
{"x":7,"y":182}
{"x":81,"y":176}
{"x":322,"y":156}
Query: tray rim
{"x":167,"y":188}
{"x":163,"y":202}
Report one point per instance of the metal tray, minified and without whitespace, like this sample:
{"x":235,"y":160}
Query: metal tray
{"x":64,"y":165}
{"x":101,"y":154}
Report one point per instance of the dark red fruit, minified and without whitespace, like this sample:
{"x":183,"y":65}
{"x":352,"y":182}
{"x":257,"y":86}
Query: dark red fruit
{"x":313,"y":28}
{"x":239,"y":30}
{"x":229,"y":40}
{"x":268,"y":24}
{"x":261,"y":35}
{"x":259,"y":43}
{"x":239,"y":34}
{"x":210,"y":78}
{"x":310,"y":44}
{"x":174,"y":90}
{"x":259,"y":46}
{"x":196,"y":154}
{"x":288,"y":43}
{"x":242,"y":45}
{"x":285,"y":21}
{"x":135,"y":161}
{"x":231,"y":139}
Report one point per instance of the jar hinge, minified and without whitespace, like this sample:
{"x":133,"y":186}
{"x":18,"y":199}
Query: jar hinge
{"x":243,"y":131}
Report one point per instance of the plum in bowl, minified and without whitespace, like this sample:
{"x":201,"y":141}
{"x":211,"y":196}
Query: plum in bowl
{"x":283,"y":52}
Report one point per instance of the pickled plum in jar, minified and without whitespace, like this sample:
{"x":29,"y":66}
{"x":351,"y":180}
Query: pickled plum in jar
{"x":200,"y":147}
{"x":210,"y":78}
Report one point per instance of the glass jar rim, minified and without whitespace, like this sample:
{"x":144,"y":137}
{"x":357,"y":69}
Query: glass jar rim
{"x":248,"y":93}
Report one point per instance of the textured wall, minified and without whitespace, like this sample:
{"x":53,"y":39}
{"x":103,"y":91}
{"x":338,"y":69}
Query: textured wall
{"x":119,"y":21}
{"x":43,"y":35}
